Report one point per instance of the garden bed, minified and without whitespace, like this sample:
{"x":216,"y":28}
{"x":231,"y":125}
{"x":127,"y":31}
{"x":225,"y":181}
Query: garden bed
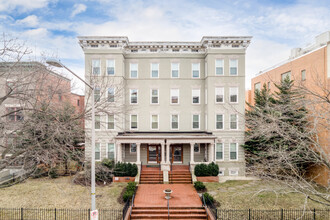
{"x":208,"y":179}
{"x":123,"y":179}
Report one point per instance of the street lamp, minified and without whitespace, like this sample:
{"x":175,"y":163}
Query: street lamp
{"x":57,"y":63}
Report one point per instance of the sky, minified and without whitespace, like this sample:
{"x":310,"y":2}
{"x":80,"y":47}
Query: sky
{"x":50,"y":27}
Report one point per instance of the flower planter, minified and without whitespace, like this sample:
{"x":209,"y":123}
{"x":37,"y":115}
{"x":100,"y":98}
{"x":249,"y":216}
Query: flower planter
{"x":208,"y":179}
{"x":167,"y":193}
{"x":123,"y":179}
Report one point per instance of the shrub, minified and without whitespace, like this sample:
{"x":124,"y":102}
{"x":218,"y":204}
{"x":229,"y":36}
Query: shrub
{"x":125,"y":169}
{"x":207,"y":170}
{"x":199,"y":186}
{"x":208,"y":198}
{"x":131,"y":186}
{"x":130,"y":190}
{"x":108,"y":163}
{"x":52,"y":173}
{"x":213,"y":169}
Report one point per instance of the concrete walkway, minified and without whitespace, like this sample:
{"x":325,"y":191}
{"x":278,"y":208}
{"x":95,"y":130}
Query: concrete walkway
{"x":152,"y":195}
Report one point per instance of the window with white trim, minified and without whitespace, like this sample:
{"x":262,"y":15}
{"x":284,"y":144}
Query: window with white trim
{"x":196,"y":93}
{"x":195,"y":124}
{"x":233,"y":66}
{"x":111,"y":67}
{"x":96,"y":67}
{"x":219,"y":151}
{"x":97,"y":151}
{"x":219,"y":94}
{"x":175,"y":70}
{"x":97,"y":122}
{"x":219,"y":67}
{"x":303,"y":75}
{"x":111,"y":151}
{"x":134,"y":70}
{"x":197,"y":148}
{"x":233,"y":151}
{"x":134,"y":122}
{"x":257,"y":86}
{"x":284,"y":75}
{"x":195,"y":70}
{"x":111,"y":121}
{"x":221,"y":172}
{"x":14,"y":114}
{"x":154,"y":122}
{"x":233,"y":172}
{"x":174,"y":122}
{"x":205,"y":97}
{"x":175,"y":96}
{"x":233,"y":94}
{"x":97,"y":94}
{"x":154,"y":70}
{"x":219,"y":121}
{"x":132,"y":148}
{"x":133,"y":96}
{"x":233,"y":121}
{"x":111,"y":95}
{"x":154,"y":96}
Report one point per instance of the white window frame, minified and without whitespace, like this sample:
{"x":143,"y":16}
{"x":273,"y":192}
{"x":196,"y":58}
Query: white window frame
{"x":199,"y":122}
{"x":172,"y":121}
{"x":152,"y":122}
{"x":223,"y":151}
{"x":222,"y":66}
{"x":223,"y":122}
{"x":192,"y":70}
{"x":173,"y":69}
{"x":303,"y":74}
{"x":114,"y":91}
{"x":178,"y":96}
{"x":114,"y":124}
{"x":114,"y":150}
{"x":130,"y":122}
{"x":199,"y":148}
{"x":257,"y":86}
{"x":151,"y":96}
{"x":100,"y":151}
{"x":205,"y":97}
{"x":222,"y":170}
{"x":236,"y":152}
{"x":99,"y":97}
{"x":199,"y":96}
{"x":130,"y":148}
{"x":231,"y":122}
{"x":130,"y":70}
{"x":230,"y":93}
{"x":96,"y":122}
{"x":151,"y":64}
{"x":231,"y":66}
{"x":96,"y":66}
{"x":130,"y":97}
{"x":234,"y":170}
{"x":222,"y":92}
{"x":114,"y":67}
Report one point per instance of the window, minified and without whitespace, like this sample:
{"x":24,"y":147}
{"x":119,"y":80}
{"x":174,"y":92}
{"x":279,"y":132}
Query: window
{"x":233,"y":67}
{"x":134,"y":70}
{"x":196,"y":96}
{"x":257,"y":86}
{"x":219,"y":67}
{"x":154,"y":70}
{"x":96,"y":67}
{"x":97,"y":122}
{"x":303,"y":75}
{"x":233,"y":172}
{"x":111,"y":122}
{"x":175,"y":70}
{"x":196,"y":148}
{"x":174,"y":96}
{"x":15,"y":114}
{"x":154,"y":96}
{"x":59,"y":95}
{"x":219,"y":95}
{"x":195,"y":70}
{"x":132,"y":148}
{"x":233,"y":151}
{"x":97,"y":151}
{"x":284,"y":75}
{"x":174,"y":122}
{"x":111,"y":151}
{"x":233,"y":121}
{"x":134,"y":96}
{"x":221,"y":172}
{"x":205,"y":97}
{"x":195,"y":122}
{"x":111,"y":67}
{"x":134,"y":122}
{"x":233,"y":95}
{"x":268,"y":85}
{"x":154,"y":122}
{"x":97,"y":94}
{"x":219,"y":151}
{"x":111,"y":94}
{"x":219,"y":121}
{"x":78,"y":102}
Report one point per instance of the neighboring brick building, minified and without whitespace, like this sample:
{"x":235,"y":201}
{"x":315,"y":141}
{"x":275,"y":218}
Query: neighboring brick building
{"x":309,"y":68}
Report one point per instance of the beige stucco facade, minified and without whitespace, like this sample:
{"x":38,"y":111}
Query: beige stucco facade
{"x":197,"y":142}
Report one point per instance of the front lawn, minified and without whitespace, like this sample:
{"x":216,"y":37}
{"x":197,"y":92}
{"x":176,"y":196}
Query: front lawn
{"x":59,"y":193}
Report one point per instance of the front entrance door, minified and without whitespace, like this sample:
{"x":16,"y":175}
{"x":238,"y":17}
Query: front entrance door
{"x":154,"y":154}
{"x":176,"y":154}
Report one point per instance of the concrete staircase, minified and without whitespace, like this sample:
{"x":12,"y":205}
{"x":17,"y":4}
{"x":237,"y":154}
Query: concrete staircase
{"x":162,"y":213}
{"x":151,"y":176}
{"x":180,"y":176}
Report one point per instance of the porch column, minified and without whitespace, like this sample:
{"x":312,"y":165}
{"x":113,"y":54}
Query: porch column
{"x":192,"y":152}
{"x":168,"y":153}
{"x":163,"y":152}
{"x":119,"y":154}
{"x":138,"y":153}
{"x":211,"y":152}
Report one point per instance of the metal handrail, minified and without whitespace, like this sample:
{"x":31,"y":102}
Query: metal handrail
{"x":205,"y":206}
{"x":168,"y":209}
{"x":140,"y":172}
{"x":191,"y":181}
{"x":160,"y":174}
{"x":211,"y":206}
{"x":126,"y":206}
{"x":132,"y":203}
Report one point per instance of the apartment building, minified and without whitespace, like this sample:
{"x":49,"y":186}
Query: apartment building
{"x":309,"y":67}
{"x":178,"y":103}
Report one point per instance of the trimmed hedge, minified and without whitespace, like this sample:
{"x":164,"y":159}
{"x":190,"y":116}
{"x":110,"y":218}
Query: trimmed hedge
{"x":130,"y":190}
{"x":125,"y":169}
{"x":211,"y":169}
{"x":199,"y":186}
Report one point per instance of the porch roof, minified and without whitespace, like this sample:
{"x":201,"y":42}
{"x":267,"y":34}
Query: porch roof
{"x":165,"y":135}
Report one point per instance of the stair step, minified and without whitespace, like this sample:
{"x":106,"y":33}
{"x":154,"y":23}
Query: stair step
{"x":165,"y":216}
{"x":165,"y":207}
{"x":164,"y":211}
